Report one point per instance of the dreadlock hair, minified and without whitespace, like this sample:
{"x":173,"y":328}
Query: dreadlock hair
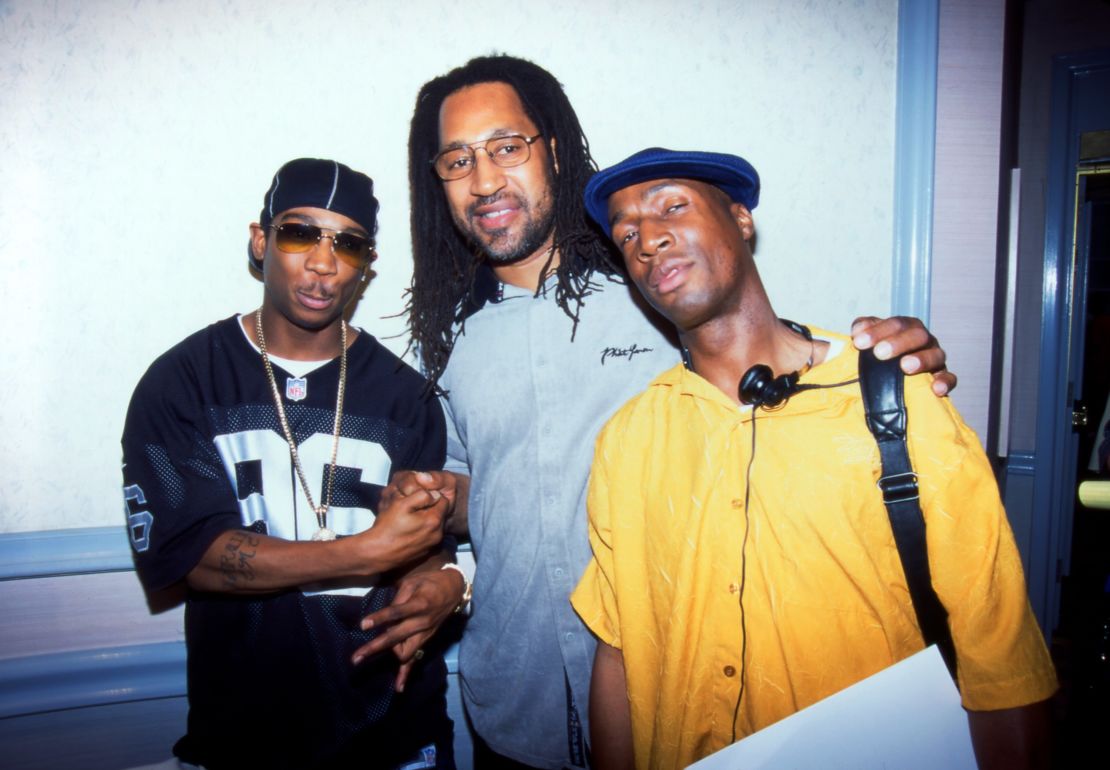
{"x":444,"y":262}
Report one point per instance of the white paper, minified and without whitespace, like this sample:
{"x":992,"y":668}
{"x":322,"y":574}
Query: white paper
{"x":907,"y":717}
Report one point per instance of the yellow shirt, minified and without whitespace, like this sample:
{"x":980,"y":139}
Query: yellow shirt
{"x":821,"y":595}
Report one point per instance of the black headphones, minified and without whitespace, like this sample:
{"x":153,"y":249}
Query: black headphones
{"x":759,"y":387}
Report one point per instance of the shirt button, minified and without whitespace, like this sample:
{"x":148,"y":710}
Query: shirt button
{"x":733,"y":588}
{"x":558,"y":572}
{"x":737,"y":503}
{"x":568,"y":636}
{"x":551,"y":499}
{"x":729,"y":671}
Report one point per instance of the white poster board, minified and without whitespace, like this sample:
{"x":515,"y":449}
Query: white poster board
{"x":907,"y":716}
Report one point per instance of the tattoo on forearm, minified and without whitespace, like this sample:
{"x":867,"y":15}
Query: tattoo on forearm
{"x":235,"y":561}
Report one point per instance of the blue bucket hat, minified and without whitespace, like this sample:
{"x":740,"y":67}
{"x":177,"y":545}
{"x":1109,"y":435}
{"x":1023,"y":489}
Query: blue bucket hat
{"x":730,"y":173}
{"x":321,"y":184}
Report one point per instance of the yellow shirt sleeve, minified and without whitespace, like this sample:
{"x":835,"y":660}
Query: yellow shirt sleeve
{"x":974,"y":561}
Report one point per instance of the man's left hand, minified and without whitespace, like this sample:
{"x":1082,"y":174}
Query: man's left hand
{"x":907,"y":337}
{"x":424,"y":600}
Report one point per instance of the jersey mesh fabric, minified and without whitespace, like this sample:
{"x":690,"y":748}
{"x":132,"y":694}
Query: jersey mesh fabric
{"x":270,"y":680}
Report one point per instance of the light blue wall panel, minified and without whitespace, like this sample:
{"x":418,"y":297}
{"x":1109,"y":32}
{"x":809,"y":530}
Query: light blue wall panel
{"x":914,"y":157}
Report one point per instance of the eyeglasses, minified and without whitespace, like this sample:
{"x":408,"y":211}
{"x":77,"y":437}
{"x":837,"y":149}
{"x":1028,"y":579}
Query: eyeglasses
{"x":506,"y":151}
{"x":298,"y":237}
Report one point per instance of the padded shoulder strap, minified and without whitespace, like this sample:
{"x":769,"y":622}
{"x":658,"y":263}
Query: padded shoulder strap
{"x":884,"y":403}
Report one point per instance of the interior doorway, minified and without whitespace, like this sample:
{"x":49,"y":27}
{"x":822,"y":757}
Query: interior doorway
{"x":1080,"y":83}
{"x":1081,"y":641}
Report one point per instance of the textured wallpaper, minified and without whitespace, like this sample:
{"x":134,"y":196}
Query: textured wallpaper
{"x":137,"y":139}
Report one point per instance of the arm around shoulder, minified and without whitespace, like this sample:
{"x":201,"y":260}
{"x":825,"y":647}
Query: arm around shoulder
{"x":907,"y":337}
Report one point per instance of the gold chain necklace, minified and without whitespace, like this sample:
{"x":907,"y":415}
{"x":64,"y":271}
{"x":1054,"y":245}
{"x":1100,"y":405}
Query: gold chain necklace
{"x":321,"y":511}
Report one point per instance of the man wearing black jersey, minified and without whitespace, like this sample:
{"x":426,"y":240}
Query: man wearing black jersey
{"x":255,"y":456}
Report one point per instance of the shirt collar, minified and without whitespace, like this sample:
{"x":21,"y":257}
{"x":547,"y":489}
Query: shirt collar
{"x":839,"y":366}
{"x":486,"y":288}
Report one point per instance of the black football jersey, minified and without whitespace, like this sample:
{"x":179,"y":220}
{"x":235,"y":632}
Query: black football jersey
{"x":270,"y":679}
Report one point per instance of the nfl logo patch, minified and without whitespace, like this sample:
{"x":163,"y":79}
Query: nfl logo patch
{"x":296,"y":388}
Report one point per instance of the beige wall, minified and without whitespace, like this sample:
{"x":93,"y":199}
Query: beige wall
{"x":137,"y":138}
{"x":965,"y":209}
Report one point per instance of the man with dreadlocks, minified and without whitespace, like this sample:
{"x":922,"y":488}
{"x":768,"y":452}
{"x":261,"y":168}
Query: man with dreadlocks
{"x":520,"y":315}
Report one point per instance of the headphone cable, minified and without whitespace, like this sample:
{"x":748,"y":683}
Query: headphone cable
{"x":743,"y":582}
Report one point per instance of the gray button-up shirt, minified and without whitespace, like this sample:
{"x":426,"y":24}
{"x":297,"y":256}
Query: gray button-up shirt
{"x":524,"y":406}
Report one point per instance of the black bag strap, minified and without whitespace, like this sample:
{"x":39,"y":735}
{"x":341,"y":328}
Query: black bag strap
{"x":885,"y":407}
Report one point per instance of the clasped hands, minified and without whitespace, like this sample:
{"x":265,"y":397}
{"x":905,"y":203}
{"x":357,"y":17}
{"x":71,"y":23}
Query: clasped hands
{"x":427,"y":595}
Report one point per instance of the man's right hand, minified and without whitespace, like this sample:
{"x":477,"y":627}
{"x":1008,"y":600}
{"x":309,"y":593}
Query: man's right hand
{"x":409,"y":525}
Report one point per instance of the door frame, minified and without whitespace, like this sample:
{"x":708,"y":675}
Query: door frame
{"x":1055,"y":445}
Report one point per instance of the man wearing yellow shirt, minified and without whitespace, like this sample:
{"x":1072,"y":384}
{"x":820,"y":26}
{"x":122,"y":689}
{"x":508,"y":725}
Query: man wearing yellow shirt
{"x":744,"y":565}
